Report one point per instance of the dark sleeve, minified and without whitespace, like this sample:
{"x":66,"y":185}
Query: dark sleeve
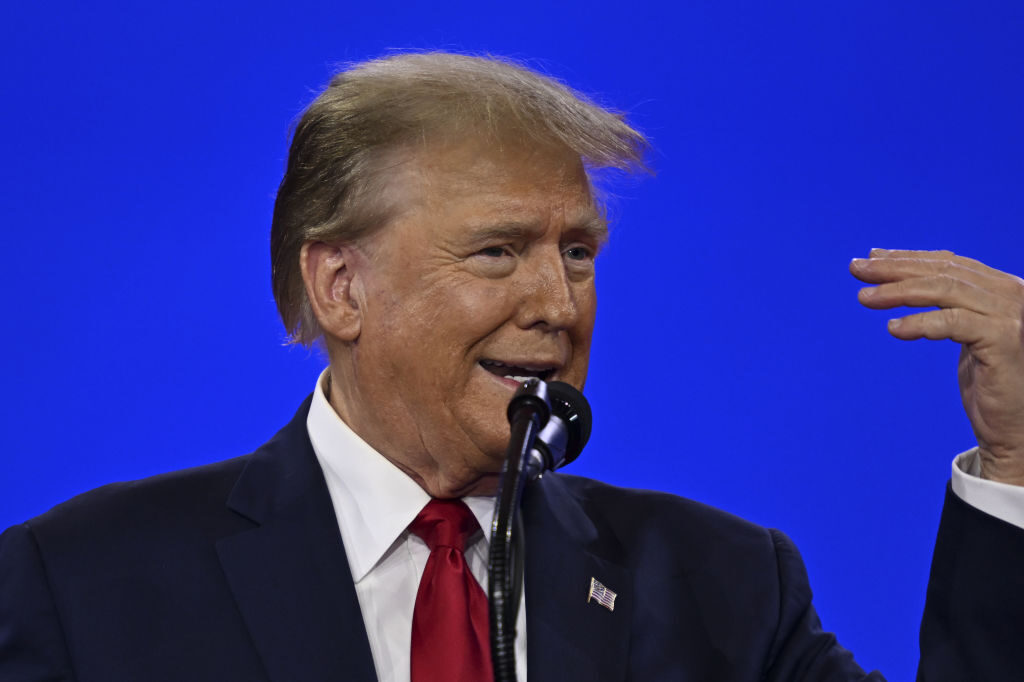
{"x":802,"y":650}
{"x":32,"y":645}
{"x":972,"y":627}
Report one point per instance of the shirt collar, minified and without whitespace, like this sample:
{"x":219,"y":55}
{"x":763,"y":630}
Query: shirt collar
{"x":374,"y":500}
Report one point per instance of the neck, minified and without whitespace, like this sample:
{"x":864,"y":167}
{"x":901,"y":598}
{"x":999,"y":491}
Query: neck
{"x":430,"y":473}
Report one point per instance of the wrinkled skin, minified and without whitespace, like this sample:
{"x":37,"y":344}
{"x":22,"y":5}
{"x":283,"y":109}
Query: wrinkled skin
{"x":490,"y":258}
{"x":983,"y":310}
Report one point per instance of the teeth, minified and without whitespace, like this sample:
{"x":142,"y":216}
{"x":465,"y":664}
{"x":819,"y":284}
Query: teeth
{"x":498,"y":363}
{"x":540,"y":370}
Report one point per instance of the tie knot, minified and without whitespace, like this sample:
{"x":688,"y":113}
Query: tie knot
{"x":445,"y":523}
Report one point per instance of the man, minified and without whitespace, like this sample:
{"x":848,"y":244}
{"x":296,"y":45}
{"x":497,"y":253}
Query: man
{"x":437,"y":229}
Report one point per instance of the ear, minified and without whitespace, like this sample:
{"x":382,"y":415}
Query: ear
{"x":328,"y":274}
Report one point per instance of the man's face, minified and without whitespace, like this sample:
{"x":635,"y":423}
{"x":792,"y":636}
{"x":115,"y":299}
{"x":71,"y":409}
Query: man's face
{"x":486,"y":273}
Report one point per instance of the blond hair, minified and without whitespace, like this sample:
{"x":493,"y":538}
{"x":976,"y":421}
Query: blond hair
{"x":336,"y":160}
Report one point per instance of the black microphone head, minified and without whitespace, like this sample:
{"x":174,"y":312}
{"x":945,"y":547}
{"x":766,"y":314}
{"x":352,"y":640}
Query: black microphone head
{"x":572,"y":408}
{"x":531,"y":398}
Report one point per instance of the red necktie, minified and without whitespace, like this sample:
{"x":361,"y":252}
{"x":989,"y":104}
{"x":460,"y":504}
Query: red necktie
{"x":450,"y":623}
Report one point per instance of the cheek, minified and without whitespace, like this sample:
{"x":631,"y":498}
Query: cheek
{"x":476,"y":307}
{"x":432,"y":331}
{"x":582,"y":333}
{"x":586,"y":305}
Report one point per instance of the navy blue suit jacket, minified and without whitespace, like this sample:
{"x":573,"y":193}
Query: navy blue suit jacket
{"x":237,"y":571}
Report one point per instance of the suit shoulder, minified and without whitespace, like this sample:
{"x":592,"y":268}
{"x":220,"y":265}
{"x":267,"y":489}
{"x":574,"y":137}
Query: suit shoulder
{"x":652,"y":506}
{"x":155,"y":501}
{"x":638,"y":520}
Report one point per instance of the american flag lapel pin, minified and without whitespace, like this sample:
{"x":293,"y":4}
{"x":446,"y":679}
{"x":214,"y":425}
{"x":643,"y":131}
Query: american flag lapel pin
{"x":601,"y":594}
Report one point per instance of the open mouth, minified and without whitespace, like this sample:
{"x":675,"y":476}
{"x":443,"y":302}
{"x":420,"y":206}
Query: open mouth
{"x":519,"y":373}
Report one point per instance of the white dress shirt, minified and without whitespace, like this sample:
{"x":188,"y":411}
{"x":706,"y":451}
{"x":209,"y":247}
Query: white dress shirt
{"x":375,"y":502}
{"x":1000,"y":500}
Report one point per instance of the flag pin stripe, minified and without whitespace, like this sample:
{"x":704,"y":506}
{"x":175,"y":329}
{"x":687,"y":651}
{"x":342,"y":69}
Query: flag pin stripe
{"x":601,"y":594}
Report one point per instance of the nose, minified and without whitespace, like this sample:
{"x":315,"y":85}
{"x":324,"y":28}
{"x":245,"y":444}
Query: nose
{"x":548,"y":299}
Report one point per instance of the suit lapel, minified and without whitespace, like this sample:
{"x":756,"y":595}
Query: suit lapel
{"x":289,"y":574}
{"x":567,"y":637}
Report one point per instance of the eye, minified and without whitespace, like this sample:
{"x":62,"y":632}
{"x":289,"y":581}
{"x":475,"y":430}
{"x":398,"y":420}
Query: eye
{"x":579,"y":253}
{"x":493,"y":252}
{"x":494,"y":261}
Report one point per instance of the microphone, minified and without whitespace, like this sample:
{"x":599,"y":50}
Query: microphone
{"x":549,"y":425}
{"x":567,"y":431}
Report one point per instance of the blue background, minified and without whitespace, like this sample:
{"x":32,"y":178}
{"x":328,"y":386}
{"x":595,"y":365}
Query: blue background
{"x":143,"y":145}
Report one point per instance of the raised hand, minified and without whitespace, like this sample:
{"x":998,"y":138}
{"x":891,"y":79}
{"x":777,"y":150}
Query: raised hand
{"x":980,"y":308}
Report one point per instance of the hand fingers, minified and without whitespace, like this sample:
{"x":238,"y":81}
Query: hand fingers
{"x":976,"y":302}
{"x":970,"y":263}
{"x":941,"y":291}
{"x":876,"y":270}
{"x":886,"y":269}
{"x":956,"y":324}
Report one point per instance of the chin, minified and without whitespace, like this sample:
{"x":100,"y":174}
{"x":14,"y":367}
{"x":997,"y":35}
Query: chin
{"x":492,"y":459}
{"x":488,"y":485}
{"x":495,"y":446}
{"x":461,"y":484}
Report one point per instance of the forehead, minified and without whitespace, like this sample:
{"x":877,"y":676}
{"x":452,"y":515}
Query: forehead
{"x":507,"y":188}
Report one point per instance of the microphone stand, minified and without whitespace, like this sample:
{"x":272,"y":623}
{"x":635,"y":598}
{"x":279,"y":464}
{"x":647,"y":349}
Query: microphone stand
{"x":528,"y":413}
{"x":550,"y":424}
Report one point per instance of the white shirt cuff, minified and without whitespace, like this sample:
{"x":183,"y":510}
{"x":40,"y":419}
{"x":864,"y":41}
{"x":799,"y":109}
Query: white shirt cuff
{"x":1001,"y":500}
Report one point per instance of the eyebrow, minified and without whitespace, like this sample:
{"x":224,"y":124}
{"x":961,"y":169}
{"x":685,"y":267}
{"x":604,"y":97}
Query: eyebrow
{"x":594,"y":227}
